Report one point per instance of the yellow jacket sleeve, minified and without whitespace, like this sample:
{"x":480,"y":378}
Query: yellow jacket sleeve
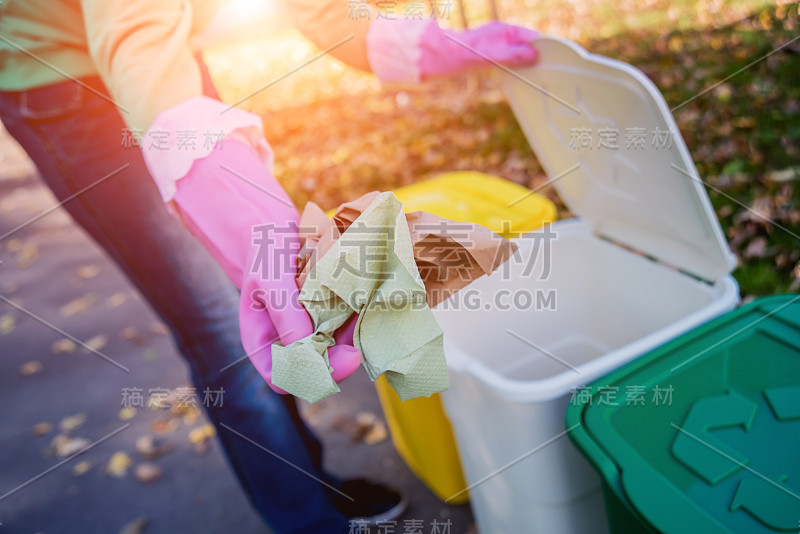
{"x":329,"y":22}
{"x":142,"y":53}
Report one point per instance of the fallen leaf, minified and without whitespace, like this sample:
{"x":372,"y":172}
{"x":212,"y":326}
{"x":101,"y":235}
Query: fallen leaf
{"x":72,"y":422}
{"x":313,"y":413}
{"x":785,"y":175}
{"x":136,"y":526}
{"x":64,"y":346}
{"x":41,"y":429}
{"x":116,"y":300}
{"x":7,"y":323}
{"x":744,"y":122}
{"x":145,"y":445}
{"x":27,"y":256}
{"x":376,"y":434}
{"x":725,"y":210}
{"x":97,"y":342}
{"x":164,"y":426}
{"x":191,"y":416}
{"x":369,"y":429}
{"x":723,"y":92}
{"x":78,"y":306}
{"x":201,"y":448}
{"x":757,"y":248}
{"x":14,"y":245}
{"x":159,"y":329}
{"x":7,"y":205}
{"x":201,"y":433}
{"x":200,"y":436}
{"x":147,"y":472}
{"x":132,"y":335}
{"x":151,"y":447}
{"x":365,"y":418}
{"x":30,"y":368}
{"x":127,"y":413}
{"x":81,"y":468}
{"x":88,"y":271}
{"x":64,"y":445}
{"x":344,"y":424}
{"x":118,"y":465}
{"x":10,"y":287}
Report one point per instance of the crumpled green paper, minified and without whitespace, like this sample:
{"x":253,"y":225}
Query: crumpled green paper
{"x":369,"y":270}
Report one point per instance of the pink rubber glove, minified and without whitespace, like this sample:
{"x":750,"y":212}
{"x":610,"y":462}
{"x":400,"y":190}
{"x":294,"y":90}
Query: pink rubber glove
{"x":222,"y":200}
{"x":412,"y":51}
{"x":446,"y":52}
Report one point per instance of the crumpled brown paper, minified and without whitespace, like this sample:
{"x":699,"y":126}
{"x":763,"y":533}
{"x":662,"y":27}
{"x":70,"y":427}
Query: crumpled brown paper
{"x":449,"y":254}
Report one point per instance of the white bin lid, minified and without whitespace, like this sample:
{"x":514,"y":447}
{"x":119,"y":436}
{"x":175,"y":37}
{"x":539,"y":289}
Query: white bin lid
{"x":645,"y":193}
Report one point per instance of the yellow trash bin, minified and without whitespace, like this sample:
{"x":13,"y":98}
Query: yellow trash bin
{"x":419,"y":427}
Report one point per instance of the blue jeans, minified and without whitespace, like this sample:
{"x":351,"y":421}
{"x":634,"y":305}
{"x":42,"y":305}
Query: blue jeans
{"x":75,"y":138}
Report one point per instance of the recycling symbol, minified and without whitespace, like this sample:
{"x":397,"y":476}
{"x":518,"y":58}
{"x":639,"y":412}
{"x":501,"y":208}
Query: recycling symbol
{"x":765,"y":496}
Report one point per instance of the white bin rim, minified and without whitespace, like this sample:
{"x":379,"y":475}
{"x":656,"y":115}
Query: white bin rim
{"x":723,"y":297}
{"x":564,"y":383}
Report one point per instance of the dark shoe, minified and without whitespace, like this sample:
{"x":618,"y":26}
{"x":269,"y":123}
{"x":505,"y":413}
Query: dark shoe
{"x":371,"y":503}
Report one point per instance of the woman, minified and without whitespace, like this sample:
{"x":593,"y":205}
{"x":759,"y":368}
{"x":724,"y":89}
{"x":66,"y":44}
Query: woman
{"x":78,"y":76}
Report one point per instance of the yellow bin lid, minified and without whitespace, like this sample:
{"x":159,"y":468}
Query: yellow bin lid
{"x":504,"y":207}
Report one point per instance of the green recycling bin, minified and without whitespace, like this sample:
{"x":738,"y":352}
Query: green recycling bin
{"x":702,"y":435}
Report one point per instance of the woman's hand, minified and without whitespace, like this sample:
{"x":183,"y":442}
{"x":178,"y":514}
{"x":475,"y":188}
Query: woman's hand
{"x":228,"y":198}
{"x":412,"y":51}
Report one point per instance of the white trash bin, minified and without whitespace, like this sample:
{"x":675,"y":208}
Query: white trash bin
{"x":646,"y":261}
